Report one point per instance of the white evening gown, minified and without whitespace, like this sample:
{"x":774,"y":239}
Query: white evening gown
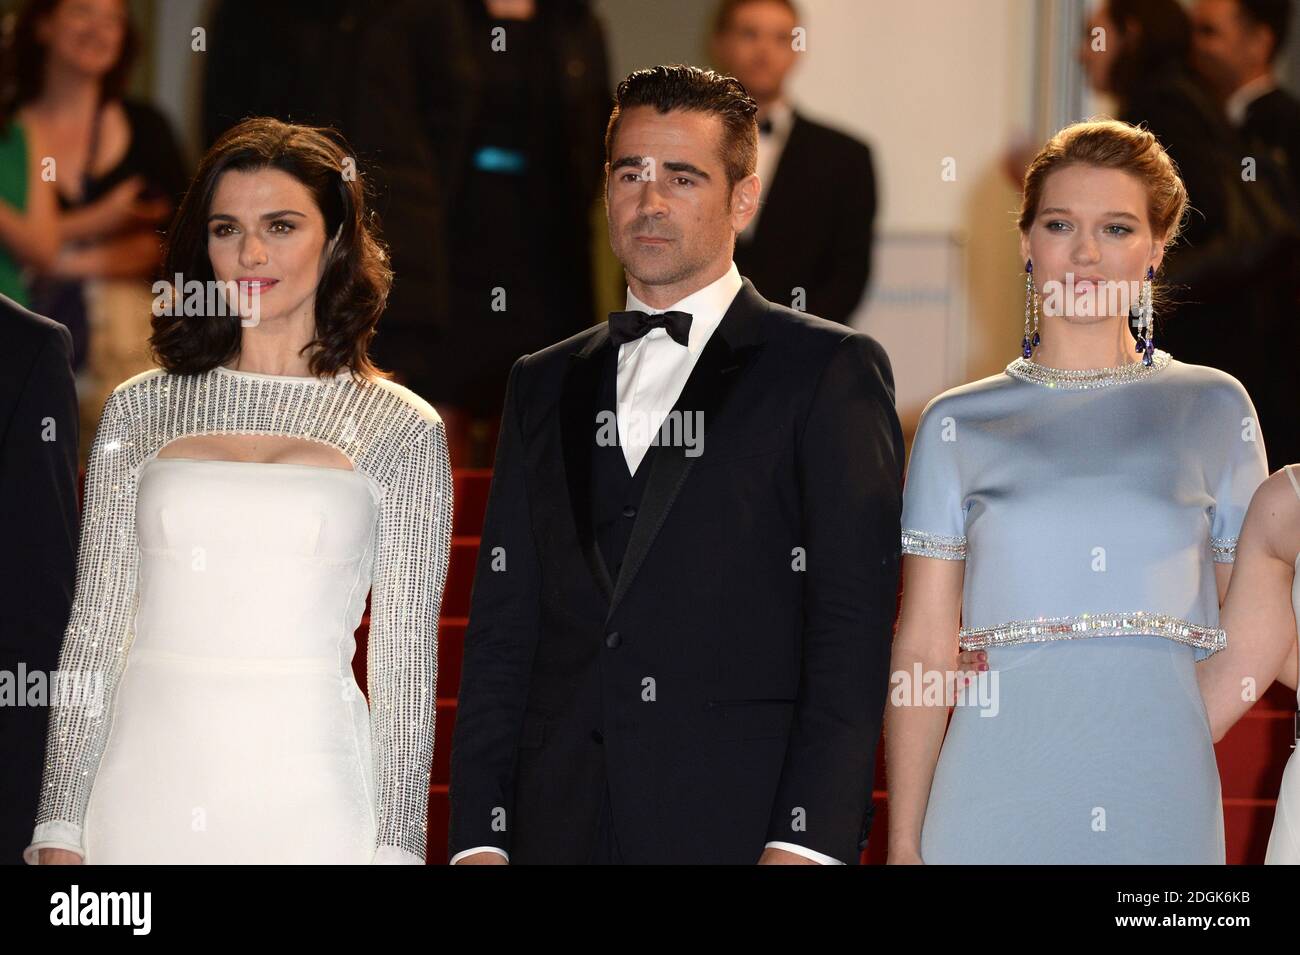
{"x":240,"y":734}
{"x":216,"y":602}
{"x":1284,"y":840}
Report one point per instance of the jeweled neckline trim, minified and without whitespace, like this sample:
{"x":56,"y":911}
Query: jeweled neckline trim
{"x":1079,"y":379}
{"x":236,"y":373}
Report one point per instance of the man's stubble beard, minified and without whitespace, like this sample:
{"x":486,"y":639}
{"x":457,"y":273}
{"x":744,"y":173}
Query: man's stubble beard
{"x":682,"y":266}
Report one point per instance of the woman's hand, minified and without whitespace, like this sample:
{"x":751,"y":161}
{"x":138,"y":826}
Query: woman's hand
{"x":904,"y":857}
{"x":121,"y":202}
{"x":972,"y":661}
{"x":123,"y":209}
{"x":124,"y":206}
{"x":60,"y":857}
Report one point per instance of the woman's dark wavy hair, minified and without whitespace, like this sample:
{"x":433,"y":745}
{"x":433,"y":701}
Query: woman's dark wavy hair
{"x":22,"y":59}
{"x":354,"y":284}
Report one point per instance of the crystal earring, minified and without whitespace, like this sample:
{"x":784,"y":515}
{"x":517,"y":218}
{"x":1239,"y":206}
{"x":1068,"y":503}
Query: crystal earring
{"x":1146,"y":327}
{"x":1031,"y":340}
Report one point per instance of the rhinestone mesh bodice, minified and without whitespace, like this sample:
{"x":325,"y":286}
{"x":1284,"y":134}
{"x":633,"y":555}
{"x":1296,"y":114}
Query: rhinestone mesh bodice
{"x":389,"y":435}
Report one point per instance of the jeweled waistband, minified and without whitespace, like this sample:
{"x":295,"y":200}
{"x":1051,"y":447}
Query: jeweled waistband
{"x":1094,"y":625}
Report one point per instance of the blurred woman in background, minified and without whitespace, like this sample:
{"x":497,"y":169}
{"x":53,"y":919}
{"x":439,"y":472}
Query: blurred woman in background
{"x":116,"y":173}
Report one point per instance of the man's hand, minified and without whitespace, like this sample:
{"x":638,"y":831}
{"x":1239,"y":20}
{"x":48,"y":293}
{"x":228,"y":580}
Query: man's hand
{"x":774,"y":856}
{"x":483,"y":858}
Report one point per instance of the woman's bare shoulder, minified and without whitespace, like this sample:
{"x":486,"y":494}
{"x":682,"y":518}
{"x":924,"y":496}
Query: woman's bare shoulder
{"x":1273,"y":518}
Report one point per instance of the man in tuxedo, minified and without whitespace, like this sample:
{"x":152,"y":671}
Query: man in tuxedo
{"x":819,"y":184}
{"x":38,"y":509}
{"x":1236,"y":46}
{"x":680,"y":629}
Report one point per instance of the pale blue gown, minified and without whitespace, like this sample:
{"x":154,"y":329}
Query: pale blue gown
{"x":1089,"y":510}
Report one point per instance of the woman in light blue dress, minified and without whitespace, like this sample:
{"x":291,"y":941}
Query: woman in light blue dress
{"x":1076,"y":517}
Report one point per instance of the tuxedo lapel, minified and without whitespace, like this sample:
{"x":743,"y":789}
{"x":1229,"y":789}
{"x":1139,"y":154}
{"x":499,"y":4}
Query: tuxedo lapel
{"x":729,"y":350}
{"x":579,"y":405}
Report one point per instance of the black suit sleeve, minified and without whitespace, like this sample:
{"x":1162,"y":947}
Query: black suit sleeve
{"x":38,"y":506}
{"x":852,"y":228}
{"x":850,"y":469}
{"x":500,"y":641}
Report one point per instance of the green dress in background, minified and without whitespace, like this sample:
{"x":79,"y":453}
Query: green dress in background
{"x":13,"y":190}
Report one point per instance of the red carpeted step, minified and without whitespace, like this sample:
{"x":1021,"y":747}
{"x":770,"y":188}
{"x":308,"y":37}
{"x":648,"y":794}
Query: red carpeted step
{"x":1254,"y":752}
{"x":439,"y":811}
{"x":460,"y":577}
{"x":1279,"y":696}
{"x":451,"y":651}
{"x":1246,"y":825}
{"x":442,"y":744}
{"x":471,"y":486}
{"x":878,"y":838}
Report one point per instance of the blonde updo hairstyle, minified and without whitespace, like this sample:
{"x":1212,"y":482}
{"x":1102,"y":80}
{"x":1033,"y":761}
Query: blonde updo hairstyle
{"x":1110,"y":144}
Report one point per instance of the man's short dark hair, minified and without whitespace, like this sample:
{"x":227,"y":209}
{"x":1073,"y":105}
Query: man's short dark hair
{"x":1275,"y":15}
{"x":678,"y":86}
{"x":727,"y":9}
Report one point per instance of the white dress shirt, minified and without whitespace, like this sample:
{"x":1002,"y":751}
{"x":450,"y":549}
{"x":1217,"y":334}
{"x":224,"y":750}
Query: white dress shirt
{"x":1245,"y":94}
{"x":653,"y":369}
{"x":651,"y":374}
{"x":770,"y":147}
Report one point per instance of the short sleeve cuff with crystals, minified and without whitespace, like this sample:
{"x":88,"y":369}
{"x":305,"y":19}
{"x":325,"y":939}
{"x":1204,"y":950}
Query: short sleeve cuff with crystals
{"x":934,"y":511}
{"x":922,"y":544}
{"x":1225,"y":549}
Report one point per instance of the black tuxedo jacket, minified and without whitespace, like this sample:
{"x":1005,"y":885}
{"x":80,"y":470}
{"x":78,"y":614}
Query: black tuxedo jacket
{"x":1273,"y":120}
{"x":38,"y":509}
{"x":824,"y":193}
{"x":728,"y":685}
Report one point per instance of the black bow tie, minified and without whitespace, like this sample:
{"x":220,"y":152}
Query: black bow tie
{"x":629,"y":326}
{"x":765,"y":127}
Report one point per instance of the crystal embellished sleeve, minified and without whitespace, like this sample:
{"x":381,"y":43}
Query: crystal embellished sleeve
{"x":1242,"y":467}
{"x":402,"y":657}
{"x":97,"y":638}
{"x":934,"y":520}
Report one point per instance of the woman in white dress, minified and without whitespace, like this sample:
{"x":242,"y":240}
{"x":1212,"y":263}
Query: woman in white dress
{"x":241,"y":501}
{"x":1261,"y":615}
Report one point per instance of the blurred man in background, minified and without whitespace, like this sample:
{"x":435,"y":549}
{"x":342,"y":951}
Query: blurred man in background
{"x":1235,"y":47}
{"x":818,"y":183}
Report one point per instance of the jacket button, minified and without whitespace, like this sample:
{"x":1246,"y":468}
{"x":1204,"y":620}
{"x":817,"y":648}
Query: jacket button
{"x":597,"y":736}
{"x":629,"y":510}
{"x":613,"y":639}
